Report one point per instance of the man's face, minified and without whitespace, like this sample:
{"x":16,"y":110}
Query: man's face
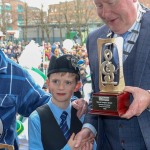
{"x":119,"y":15}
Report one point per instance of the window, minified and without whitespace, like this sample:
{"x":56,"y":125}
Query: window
{"x":9,"y":28}
{"x":7,"y":6}
{"x":20,"y":8}
{"x":20,"y":18}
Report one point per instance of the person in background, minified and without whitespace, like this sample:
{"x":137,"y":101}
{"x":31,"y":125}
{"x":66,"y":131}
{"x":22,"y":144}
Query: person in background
{"x":45,"y":87}
{"x":86,"y":80}
{"x":56,"y":52}
{"x":20,"y":94}
{"x":46,"y":127}
{"x":128,"y":19}
{"x":86,"y":84}
{"x":22,"y":122}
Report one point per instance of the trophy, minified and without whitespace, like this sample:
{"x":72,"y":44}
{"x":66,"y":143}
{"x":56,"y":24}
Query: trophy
{"x":111,"y":100}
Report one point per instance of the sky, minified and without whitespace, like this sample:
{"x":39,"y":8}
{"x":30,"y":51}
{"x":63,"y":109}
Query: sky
{"x":37,"y":3}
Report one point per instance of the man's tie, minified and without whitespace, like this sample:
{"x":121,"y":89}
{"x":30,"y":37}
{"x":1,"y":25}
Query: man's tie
{"x":64,"y":126}
{"x":115,"y":53}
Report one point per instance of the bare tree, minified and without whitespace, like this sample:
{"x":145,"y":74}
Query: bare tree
{"x":42,"y":22}
{"x":41,"y":19}
{"x":65,"y":11}
{"x":3,"y":18}
{"x":61,"y":16}
{"x":26,"y":21}
{"x":83,"y":14}
{"x":47,"y":28}
{"x":6,"y":17}
{"x":73,"y":16}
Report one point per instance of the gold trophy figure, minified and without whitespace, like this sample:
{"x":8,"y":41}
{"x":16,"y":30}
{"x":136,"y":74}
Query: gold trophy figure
{"x":111,"y":100}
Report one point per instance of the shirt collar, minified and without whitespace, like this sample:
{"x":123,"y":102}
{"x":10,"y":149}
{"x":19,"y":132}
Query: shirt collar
{"x":3,"y":62}
{"x":140,"y":11}
{"x":58,"y":111}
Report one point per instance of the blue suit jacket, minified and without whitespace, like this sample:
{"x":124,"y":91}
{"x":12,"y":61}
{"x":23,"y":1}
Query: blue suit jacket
{"x":141,"y":73}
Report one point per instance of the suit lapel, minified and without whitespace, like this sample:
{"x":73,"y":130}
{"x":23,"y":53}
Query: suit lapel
{"x":143,"y":49}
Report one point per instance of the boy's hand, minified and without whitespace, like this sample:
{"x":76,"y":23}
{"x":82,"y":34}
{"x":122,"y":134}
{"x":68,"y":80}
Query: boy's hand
{"x":71,"y":141}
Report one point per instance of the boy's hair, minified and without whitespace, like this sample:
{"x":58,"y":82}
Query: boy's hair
{"x":65,"y":63}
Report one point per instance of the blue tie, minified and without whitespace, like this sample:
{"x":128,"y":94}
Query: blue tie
{"x":64,"y":126}
{"x":115,"y":53}
{"x":125,"y":47}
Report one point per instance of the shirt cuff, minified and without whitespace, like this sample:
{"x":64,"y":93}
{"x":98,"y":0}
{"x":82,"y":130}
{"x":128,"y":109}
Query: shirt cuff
{"x":91,"y":127}
{"x":148,"y":108}
{"x":66,"y":147}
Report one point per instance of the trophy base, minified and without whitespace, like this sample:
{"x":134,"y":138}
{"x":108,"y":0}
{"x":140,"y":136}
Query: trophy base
{"x":110,"y":104}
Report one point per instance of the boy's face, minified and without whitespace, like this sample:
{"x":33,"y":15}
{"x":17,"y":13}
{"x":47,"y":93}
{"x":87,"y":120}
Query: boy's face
{"x":62,"y":87}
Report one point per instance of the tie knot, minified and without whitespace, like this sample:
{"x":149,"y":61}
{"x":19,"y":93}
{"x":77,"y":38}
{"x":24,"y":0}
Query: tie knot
{"x":64,"y":115}
{"x":125,"y":35}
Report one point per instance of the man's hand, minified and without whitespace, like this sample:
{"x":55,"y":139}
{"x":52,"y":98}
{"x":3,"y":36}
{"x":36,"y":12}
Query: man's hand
{"x":85,"y":145}
{"x":84,"y":136}
{"x":81,"y":106}
{"x":141,"y":101}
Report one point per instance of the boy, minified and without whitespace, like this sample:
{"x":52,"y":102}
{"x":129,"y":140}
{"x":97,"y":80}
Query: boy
{"x":45,"y":123}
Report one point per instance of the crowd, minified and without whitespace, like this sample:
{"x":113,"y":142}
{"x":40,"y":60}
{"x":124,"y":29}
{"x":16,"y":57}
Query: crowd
{"x":13,"y":51}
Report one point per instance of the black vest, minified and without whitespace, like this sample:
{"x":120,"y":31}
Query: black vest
{"x":51,"y":134}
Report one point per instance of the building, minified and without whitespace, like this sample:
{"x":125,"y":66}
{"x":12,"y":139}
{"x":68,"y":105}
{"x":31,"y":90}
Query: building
{"x":71,"y":19}
{"x":13,"y":13}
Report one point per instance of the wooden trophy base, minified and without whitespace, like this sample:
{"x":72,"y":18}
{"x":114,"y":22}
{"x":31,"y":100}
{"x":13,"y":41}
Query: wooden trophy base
{"x":110,"y":104}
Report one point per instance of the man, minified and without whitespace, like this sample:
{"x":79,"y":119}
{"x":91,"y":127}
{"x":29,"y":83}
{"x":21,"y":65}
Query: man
{"x":18,"y":94}
{"x":132,"y":131}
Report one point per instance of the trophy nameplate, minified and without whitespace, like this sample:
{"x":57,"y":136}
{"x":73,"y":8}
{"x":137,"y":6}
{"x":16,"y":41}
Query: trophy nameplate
{"x":111,"y":100}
